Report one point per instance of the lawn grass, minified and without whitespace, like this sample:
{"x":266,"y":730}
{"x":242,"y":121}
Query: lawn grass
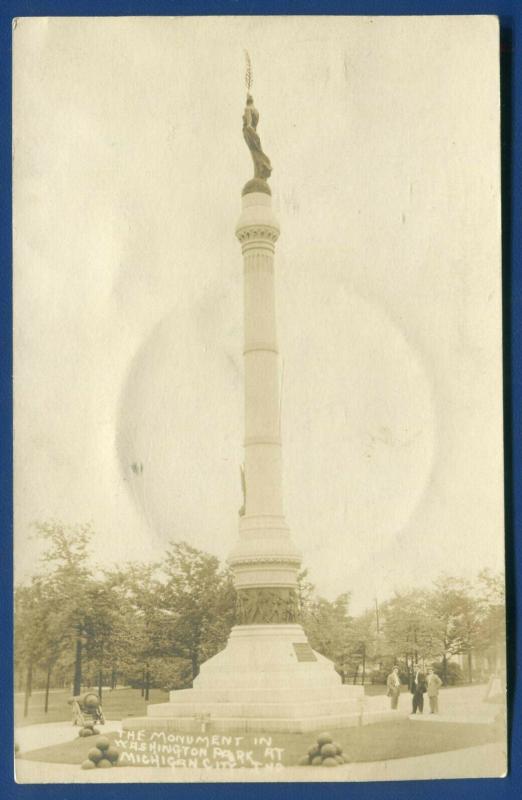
{"x":73,"y":752}
{"x":377,"y":742}
{"x":116,"y":704}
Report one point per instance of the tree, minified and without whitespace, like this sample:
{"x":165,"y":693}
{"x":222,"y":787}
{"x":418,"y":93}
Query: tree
{"x":138,"y":633}
{"x":327,"y":625}
{"x":27,"y":646}
{"x":491,"y":634}
{"x":40,"y":632}
{"x":364,"y":637}
{"x":196,"y":603}
{"x":68,"y":578}
{"x":408,"y":628}
{"x":456,"y":618}
{"x":105,"y":629}
{"x":305,"y":593}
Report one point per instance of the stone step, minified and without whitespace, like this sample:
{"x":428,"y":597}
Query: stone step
{"x":258,"y":724}
{"x":264,"y":695}
{"x":260,"y":710}
{"x":295,"y":678}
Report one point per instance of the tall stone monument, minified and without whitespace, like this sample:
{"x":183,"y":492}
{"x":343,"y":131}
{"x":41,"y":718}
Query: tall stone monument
{"x":267,"y":678}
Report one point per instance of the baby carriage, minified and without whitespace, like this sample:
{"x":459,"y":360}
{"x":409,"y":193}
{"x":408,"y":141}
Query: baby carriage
{"x":87,"y":710}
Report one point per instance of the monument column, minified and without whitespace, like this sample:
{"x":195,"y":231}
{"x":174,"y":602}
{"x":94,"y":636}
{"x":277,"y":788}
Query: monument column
{"x":265,"y":561}
{"x":267,"y":678}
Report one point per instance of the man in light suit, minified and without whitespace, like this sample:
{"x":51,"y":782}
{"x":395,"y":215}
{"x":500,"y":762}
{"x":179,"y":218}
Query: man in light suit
{"x":394,"y":687}
{"x":434,"y":684}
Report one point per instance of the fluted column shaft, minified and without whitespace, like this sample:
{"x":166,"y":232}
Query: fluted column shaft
{"x":263,"y":470}
{"x":265,"y":561}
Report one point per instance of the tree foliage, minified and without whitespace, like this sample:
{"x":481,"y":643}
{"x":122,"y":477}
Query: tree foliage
{"x":154,"y":624}
{"x":196,"y":605}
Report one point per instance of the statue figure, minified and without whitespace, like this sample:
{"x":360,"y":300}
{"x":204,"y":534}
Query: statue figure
{"x":247,"y":608}
{"x":262,"y":166}
{"x":243,"y":488}
{"x":279,"y":606}
{"x":240,"y":608}
{"x":291,"y":610}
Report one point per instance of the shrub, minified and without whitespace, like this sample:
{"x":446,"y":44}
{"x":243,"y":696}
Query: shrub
{"x":454,"y":673}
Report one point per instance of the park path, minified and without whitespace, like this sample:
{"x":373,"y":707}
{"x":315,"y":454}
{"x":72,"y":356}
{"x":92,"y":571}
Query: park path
{"x":461,"y":704}
{"x":32,"y":737}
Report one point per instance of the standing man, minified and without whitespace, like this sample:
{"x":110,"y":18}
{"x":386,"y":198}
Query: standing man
{"x":394,"y":687}
{"x":418,"y":687}
{"x":434,"y":684}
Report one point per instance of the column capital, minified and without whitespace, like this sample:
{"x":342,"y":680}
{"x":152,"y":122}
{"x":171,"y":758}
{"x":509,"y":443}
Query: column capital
{"x":255,"y":236}
{"x":257,"y":222}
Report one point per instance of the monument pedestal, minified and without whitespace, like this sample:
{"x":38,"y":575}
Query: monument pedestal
{"x":267,"y":679}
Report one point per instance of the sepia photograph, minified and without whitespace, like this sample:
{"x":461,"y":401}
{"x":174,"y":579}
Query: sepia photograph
{"x":258,"y":404}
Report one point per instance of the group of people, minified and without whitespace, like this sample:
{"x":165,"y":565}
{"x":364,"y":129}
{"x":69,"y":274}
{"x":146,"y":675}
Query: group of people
{"x":421,"y":684}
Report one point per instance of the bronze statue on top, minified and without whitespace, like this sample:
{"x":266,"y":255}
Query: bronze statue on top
{"x":262,"y":165}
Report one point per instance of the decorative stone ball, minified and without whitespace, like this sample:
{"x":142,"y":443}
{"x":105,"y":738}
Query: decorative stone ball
{"x":304,"y":761}
{"x":92,"y":700}
{"x":95,"y":730}
{"x":104,"y":763}
{"x":317,"y":761}
{"x":112,"y":753}
{"x":85,"y":732}
{"x":103,"y":743}
{"x":315,"y":750}
{"x":88,"y":764}
{"x":330,"y":762}
{"x":339,"y":759}
{"x":328,"y":750}
{"x":324,"y":738}
{"x":95,"y":754}
{"x":338,"y":748}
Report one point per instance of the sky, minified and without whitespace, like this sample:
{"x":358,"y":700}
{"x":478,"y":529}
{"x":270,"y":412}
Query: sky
{"x":128,"y":166}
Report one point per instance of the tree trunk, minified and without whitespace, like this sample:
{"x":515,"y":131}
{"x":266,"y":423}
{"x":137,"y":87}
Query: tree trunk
{"x":47,"y":686}
{"x":444,"y":669}
{"x":147,"y":684}
{"x":28,"y":686}
{"x":77,"y":682}
{"x":143,"y":683}
{"x":100,"y":684}
{"x":113,"y":678}
{"x":470,"y":665}
{"x":364,"y":665}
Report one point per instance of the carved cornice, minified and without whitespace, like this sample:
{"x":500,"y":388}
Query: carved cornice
{"x":257,"y":233}
{"x":262,"y":559}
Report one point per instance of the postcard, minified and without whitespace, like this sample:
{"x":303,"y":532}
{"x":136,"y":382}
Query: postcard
{"x":259,"y":492}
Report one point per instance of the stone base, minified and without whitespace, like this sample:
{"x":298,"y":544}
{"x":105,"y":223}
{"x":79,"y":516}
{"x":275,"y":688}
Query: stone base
{"x":258,"y":683}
